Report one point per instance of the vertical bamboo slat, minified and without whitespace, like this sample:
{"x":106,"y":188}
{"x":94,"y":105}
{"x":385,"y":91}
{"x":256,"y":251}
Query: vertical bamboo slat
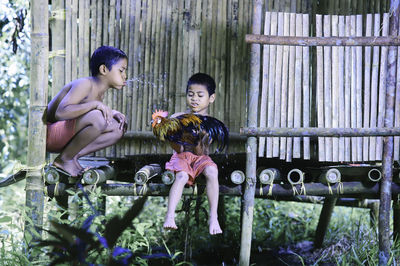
{"x":34,"y":200}
{"x":374,"y":89}
{"x":264,"y":89}
{"x":93,"y":26}
{"x":320,"y":89}
{"x":382,"y":87}
{"x":367,"y":85}
{"x":74,"y":50}
{"x":271,"y":85}
{"x":396,"y":145}
{"x":341,"y":96}
{"x":86,"y":45}
{"x":278,"y":89}
{"x":285,"y":68}
{"x":68,"y":42}
{"x":347,"y":92}
{"x":335,"y":89}
{"x":81,"y":38}
{"x":359,"y":29}
{"x":327,"y":87}
{"x":290,"y":114}
{"x":353,"y":94}
{"x":173,"y":59}
{"x":306,"y":89}
{"x":298,"y":87}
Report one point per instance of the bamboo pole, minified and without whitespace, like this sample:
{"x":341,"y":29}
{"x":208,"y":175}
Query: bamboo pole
{"x":341,"y":77}
{"x":134,"y":66}
{"x":335,"y":89}
{"x":185,"y":51}
{"x":217,"y":69}
{"x":278,"y":89}
{"x":251,"y":156}
{"x":58,"y":46}
{"x":68,"y":44}
{"x":324,"y":41}
{"x":353,"y":89}
{"x":319,"y":132}
{"x":292,"y":60}
{"x":147,"y":79}
{"x":359,"y":29}
{"x":222,"y":95}
{"x":74,"y":40}
{"x":179,"y":93}
{"x":34,"y":201}
{"x":297,"y":86}
{"x":86,"y":46}
{"x":328,"y":88}
{"x":271,"y":84}
{"x":347,"y":92}
{"x":387,"y":162}
{"x":374,"y":89}
{"x":285,"y":81}
{"x":93,"y":26}
{"x":173,"y":59}
{"x":306,"y":89}
{"x":81,"y":37}
{"x":382,"y":87}
{"x":99,"y":24}
{"x":367,"y":85}
{"x":264,"y":89}
{"x":156,"y":91}
{"x":320,"y":90}
{"x":396,"y":152}
{"x":324,"y":218}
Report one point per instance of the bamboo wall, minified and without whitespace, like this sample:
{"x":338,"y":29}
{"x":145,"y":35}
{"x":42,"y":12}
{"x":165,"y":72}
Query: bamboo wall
{"x":169,"y":40}
{"x":347,"y":90}
{"x":166,"y":42}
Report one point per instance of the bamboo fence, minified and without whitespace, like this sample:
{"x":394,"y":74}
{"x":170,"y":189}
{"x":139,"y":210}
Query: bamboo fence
{"x":349,"y":87}
{"x":166,"y":42}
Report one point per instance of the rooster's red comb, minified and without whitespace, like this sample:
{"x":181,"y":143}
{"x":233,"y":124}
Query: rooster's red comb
{"x":159,"y":113}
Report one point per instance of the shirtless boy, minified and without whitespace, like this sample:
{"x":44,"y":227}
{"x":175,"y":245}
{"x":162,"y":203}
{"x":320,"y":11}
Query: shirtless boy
{"x":78,"y":122}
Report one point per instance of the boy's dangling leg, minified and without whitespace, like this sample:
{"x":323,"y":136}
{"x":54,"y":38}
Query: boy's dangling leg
{"x":211,"y":174}
{"x":175,"y":195}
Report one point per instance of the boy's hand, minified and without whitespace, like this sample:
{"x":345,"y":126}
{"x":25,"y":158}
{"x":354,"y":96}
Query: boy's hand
{"x":120,"y":117}
{"x":107,"y":112}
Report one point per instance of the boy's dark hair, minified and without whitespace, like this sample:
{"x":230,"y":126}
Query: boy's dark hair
{"x":202,"y":79}
{"x":105,"y":55}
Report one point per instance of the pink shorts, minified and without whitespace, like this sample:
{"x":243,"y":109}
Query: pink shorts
{"x":59,"y":134}
{"x":190,"y":163}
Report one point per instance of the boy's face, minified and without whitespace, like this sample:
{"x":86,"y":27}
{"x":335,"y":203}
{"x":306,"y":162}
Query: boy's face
{"x":198,"y":99}
{"x":117,"y":75}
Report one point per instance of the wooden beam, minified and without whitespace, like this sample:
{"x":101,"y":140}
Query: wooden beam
{"x":319,"y":132}
{"x":324,"y":41}
{"x":324,"y":218}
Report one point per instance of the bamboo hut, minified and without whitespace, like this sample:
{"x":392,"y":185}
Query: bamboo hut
{"x":308,"y":79}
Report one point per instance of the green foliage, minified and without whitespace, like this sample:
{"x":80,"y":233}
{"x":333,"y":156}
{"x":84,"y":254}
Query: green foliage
{"x":14,"y":80}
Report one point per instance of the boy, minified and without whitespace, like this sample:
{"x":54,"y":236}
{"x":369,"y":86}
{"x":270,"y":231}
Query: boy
{"x":200,"y":92}
{"x":78,"y":122}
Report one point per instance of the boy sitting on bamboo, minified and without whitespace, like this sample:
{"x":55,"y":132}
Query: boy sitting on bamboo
{"x":78,"y":122}
{"x":188,"y":162}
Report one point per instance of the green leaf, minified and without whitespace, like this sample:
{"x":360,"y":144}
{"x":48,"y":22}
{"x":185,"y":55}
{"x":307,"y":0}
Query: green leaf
{"x":5,"y":219}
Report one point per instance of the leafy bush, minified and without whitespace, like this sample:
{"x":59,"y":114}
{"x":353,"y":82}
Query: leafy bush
{"x":14,"y":80}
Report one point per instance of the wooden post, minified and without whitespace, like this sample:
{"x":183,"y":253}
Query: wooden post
{"x":386,"y":183}
{"x":37,"y":129}
{"x":324,"y":218}
{"x":251,"y":149}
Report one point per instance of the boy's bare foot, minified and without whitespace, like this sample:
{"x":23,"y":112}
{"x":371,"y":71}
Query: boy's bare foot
{"x":214,"y":226}
{"x":170,"y":223}
{"x":68,"y":166}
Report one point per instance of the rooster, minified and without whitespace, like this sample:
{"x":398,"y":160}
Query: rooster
{"x":190,"y":129}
